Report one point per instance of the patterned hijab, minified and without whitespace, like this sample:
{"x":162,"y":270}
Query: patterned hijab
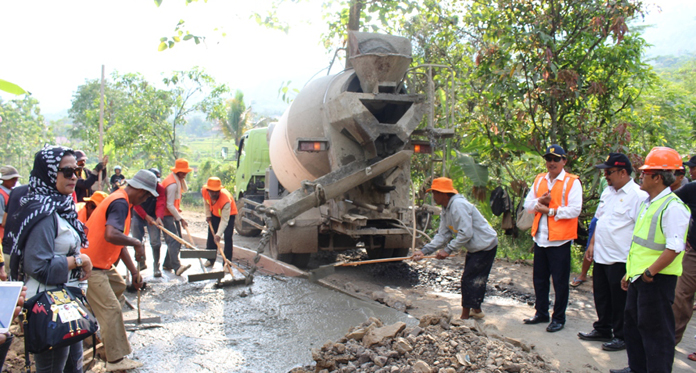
{"x":42,"y":200}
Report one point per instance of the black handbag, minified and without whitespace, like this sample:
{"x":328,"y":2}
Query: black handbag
{"x":57,"y":318}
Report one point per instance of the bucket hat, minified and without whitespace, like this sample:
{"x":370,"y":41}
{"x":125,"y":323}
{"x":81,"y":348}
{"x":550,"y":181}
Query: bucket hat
{"x":8,"y":173}
{"x":181,"y":165}
{"x":146,"y":180}
{"x":214,"y":184}
{"x":98,"y":197}
{"x":443,"y":185}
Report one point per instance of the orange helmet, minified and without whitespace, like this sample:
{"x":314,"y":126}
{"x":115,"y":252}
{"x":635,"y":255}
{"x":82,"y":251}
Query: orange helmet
{"x":662,"y":158}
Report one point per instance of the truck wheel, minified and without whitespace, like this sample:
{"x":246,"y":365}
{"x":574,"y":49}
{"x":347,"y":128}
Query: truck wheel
{"x":300,"y":260}
{"x":244,"y":229}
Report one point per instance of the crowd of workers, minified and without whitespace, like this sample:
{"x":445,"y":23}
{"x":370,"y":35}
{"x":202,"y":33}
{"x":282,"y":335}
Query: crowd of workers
{"x":56,"y":230}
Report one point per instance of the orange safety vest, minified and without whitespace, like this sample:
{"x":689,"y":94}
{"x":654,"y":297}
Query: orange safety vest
{"x":103,"y":253}
{"x":6,"y":197}
{"x":82,"y":212}
{"x":225,"y":198}
{"x":562,"y":229}
{"x":169,"y":180}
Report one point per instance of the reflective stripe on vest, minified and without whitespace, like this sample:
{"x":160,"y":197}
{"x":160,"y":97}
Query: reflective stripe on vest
{"x":645,"y":251}
{"x":103,"y":253}
{"x":225,"y":198}
{"x":169,"y":180}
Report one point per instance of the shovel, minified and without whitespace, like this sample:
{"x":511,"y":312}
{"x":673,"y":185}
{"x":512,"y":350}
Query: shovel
{"x":196,"y":254}
{"x":228,"y":264}
{"x":328,"y":269}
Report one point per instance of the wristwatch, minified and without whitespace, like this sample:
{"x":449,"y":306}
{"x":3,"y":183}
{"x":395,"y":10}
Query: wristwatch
{"x":648,"y":274}
{"x":78,"y":260}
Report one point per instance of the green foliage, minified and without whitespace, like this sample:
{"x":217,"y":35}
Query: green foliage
{"x":238,"y":117}
{"x":24,"y":132}
{"x":12,"y":88}
{"x":477,"y":173}
{"x":214,"y":167}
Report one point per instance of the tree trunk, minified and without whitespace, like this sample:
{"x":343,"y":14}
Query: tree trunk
{"x":353,"y":24}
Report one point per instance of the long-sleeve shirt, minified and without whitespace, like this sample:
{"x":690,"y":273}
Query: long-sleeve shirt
{"x":572,"y":210}
{"x":616,"y":217}
{"x":224,"y":217}
{"x":174,"y":192}
{"x":83,"y":186}
{"x":160,"y":204}
{"x":472,"y":230}
{"x":46,"y":252}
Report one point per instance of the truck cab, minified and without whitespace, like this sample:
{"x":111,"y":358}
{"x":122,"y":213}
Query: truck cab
{"x":252,"y":162}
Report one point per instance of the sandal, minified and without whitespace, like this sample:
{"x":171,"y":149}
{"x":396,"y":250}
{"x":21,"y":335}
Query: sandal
{"x":576,"y":282}
{"x":692,"y":356}
{"x":477,"y":315}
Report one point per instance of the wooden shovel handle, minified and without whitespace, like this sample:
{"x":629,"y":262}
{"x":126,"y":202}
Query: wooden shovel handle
{"x":175,"y":237}
{"x":352,"y":264}
{"x":227,"y":262}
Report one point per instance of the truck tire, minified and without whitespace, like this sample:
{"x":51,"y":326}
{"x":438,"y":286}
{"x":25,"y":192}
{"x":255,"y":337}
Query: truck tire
{"x":298,"y":260}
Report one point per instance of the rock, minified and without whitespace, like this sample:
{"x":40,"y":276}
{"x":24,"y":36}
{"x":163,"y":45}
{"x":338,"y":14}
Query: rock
{"x":402,"y":346}
{"x":376,"y":335}
{"x":349,"y":286}
{"x":510,"y":367}
{"x":447,"y":370}
{"x":517,"y":343}
{"x":506,"y":281}
{"x":378,"y":296}
{"x":399,"y":306}
{"x":415,"y":331}
{"x":427,"y":320}
{"x":421,"y":367}
{"x":380,"y":361}
{"x":357,"y":334}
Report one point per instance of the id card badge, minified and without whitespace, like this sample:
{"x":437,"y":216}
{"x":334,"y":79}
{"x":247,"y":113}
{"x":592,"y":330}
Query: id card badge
{"x":68,"y":312}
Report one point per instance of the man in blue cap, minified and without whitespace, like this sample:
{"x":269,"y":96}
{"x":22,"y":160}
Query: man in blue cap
{"x":555,"y":199}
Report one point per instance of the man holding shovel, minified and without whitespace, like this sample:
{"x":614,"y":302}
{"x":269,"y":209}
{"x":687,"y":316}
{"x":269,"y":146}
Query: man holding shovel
{"x":174,"y":186}
{"x":463,"y":221}
{"x":220,"y":211}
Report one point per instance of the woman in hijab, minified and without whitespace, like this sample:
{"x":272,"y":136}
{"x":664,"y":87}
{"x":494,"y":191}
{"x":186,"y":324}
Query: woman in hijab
{"x":48,"y":236}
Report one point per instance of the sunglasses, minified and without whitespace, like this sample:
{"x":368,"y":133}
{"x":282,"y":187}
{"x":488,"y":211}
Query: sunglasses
{"x":68,"y":172}
{"x":607,"y":173}
{"x":553,"y":159}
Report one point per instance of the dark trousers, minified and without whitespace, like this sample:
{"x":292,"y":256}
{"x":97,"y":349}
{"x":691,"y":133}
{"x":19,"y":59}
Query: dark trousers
{"x":610,"y":299}
{"x":649,"y":325}
{"x":227,"y":236}
{"x":4,"y":348}
{"x":171,"y":258}
{"x":553,"y":262}
{"x":138,"y":226}
{"x":475,"y":277}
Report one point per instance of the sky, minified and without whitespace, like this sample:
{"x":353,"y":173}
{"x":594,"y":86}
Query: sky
{"x":51,"y":47}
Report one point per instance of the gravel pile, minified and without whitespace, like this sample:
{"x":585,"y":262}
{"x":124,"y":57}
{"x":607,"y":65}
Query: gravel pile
{"x":438,"y":344}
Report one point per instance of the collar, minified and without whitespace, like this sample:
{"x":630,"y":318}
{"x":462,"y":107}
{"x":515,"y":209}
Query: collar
{"x":452,"y":199}
{"x":560,"y":176}
{"x":665,"y":192}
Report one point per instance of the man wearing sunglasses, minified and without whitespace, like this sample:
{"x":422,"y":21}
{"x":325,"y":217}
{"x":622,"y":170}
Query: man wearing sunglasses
{"x":653,"y":266}
{"x":555,"y":199}
{"x":616,"y":216}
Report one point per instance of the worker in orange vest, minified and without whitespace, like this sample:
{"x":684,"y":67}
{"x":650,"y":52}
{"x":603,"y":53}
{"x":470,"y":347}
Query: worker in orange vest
{"x":220,"y":211}
{"x":555,"y":199}
{"x":86,"y":208}
{"x":174,"y":186}
{"x":109,"y":227}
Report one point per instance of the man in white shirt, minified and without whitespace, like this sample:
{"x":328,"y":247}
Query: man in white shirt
{"x":555,"y":199}
{"x":616,"y":216}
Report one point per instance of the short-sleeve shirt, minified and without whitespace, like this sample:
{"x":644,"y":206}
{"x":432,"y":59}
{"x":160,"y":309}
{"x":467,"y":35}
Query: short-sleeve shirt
{"x":117,"y":213}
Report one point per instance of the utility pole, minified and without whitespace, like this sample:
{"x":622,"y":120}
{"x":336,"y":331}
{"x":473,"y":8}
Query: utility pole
{"x":101,"y":127}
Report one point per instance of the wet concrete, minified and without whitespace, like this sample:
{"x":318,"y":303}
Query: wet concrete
{"x":269,"y":326}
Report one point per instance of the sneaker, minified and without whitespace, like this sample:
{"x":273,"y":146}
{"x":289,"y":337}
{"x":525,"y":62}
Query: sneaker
{"x":209,"y":263}
{"x":124,"y":364}
{"x":182,"y":269}
{"x":157,"y":273}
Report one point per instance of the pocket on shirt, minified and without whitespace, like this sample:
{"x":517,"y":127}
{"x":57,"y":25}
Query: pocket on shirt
{"x":620,"y":211}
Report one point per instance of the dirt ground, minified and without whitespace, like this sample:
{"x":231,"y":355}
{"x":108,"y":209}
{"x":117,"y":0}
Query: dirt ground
{"x":433,"y":285}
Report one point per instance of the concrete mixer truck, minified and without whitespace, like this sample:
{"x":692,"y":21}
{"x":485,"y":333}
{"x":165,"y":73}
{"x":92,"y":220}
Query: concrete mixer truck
{"x":340,"y":160}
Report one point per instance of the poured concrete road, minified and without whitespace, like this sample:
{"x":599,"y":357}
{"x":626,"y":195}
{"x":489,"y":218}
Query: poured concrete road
{"x":270,"y":326}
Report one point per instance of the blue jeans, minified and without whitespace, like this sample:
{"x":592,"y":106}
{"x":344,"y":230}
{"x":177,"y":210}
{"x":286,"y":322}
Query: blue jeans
{"x":138,"y":231}
{"x":61,"y":360}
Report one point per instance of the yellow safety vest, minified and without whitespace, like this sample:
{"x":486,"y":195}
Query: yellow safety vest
{"x":649,"y":240}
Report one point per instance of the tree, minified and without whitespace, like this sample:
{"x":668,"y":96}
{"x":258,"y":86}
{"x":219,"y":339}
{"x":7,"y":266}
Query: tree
{"x":84,"y":110}
{"x":24,"y":132}
{"x":238,"y":116}
{"x":193,"y":91}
